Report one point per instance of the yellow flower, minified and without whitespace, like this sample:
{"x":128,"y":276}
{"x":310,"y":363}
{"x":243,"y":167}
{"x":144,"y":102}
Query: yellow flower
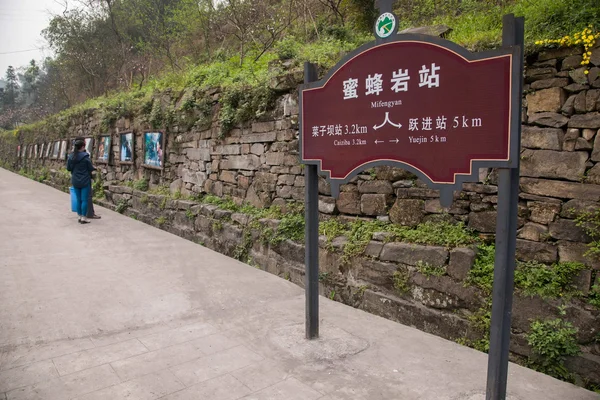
{"x":589,"y":53}
{"x":586,"y":72}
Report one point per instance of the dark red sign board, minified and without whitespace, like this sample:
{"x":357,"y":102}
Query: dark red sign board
{"x":428,"y":106}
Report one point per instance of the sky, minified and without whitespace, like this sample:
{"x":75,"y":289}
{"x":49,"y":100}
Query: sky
{"x":21,"y":25}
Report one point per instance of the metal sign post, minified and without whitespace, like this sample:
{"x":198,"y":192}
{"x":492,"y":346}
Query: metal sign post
{"x":311,"y":234}
{"x":506,"y":234}
{"x":433,"y":108}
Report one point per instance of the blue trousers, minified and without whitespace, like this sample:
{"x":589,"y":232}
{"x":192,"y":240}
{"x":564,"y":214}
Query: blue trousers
{"x":82,"y":200}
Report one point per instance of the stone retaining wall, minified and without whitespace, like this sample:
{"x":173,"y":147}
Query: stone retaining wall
{"x":258,"y":164}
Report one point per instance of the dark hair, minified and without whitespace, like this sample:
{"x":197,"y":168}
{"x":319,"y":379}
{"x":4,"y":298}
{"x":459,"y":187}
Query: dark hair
{"x":79,"y":144}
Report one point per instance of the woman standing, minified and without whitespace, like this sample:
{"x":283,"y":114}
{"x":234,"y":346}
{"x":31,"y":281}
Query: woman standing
{"x":81,"y":167}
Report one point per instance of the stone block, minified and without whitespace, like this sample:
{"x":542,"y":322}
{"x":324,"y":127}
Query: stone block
{"x":375,"y":186}
{"x":589,"y":121}
{"x":196,"y":178}
{"x":275,"y":158}
{"x":569,"y":107}
{"x":287,"y":135}
{"x":536,"y":251}
{"x":582,"y":144}
{"x":548,"y":83}
{"x":285,"y":192}
{"x":327,"y":205}
{"x":257,"y":148}
{"x":579,"y":76}
{"x":580,"y":102}
{"x":484,"y":222}
{"x":229,"y":149}
{"x":407,"y":212}
{"x":550,"y":119}
{"x":588,"y":134}
{"x":575,"y":252}
{"x":299,"y":181}
{"x":536,"y":74}
{"x":479,"y":188}
{"x":411,"y":254}
{"x":596,"y":150}
{"x":374,"y":204}
{"x":546,"y":100}
{"x":393,"y":174}
{"x":262,"y":127}
{"x":567,"y":229}
{"x":414,"y":192}
{"x":248,"y":162}
{"x":198,"y":154}
{"x":543,"y":212}
{"x":376,"y":272}
{"x":560,"y":189}
{"x":570,"y":139}
{"x":265,"y":177}
{"x":532,"y":231}
{"x":228,"y":176}
{"x":291,"y":160}
{"x":542,"y":138}
{"x":591,"y":99}
{"x":286,"y":180}
{"x":553,"y":164}
{"x":560,"y":52}
{"x":593,"y":175}
{"x":576,"y":87}
{"x":571,"y":62}
{"x":461,"y":261}
{"x":373,"y":249}
{"x":266,"y":137}
{"x":349,"y":203}
{"x":573,"y":208}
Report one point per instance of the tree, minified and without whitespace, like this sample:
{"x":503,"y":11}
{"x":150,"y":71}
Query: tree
{"x":11,"y":91}
{"x":30,"y":81}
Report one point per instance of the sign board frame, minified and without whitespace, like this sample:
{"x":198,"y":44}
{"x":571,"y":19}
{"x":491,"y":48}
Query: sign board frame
{"x":508,"y":194}
{"x":446,"y":190}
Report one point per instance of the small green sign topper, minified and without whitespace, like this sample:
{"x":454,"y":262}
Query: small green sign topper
{"x":385,"y":25}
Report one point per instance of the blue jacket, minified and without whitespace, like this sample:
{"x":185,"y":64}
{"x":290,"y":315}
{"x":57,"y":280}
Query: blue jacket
{"x":81,"y":169}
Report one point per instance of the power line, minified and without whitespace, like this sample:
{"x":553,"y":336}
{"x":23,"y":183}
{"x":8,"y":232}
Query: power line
{"x":23,"y":51}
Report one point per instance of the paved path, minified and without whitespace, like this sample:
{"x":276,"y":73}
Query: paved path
{"x":120,"y":310}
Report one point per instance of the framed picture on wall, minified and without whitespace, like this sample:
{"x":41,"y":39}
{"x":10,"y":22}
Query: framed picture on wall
{"x":126,"y":148}
{"x":24,"y":151}
{"x":29,"y":151}
{"x":18,"y":151}
{"x":42,"y":148}
{"x":63,"y":149}
{"x":154,"y":153}
{"x":35,"y":151}
{"x":48,"y":149}
{"x":103,"y":155}
{"x":55,"y":150}
{"x":89,"y":145}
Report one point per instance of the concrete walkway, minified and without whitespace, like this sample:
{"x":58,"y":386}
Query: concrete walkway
{"x":120,"y":310}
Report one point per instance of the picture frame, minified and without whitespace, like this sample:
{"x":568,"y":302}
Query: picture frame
{"x":89,"y":145}
{"x":154,"y":149}
{"x":63,"y":149}
{"x":29,"y":150}
{"x":18,"y":151}
{"x":35,"y":151}
{"x":42,"y":149}
{"x":103,"y":151}
{"x":126,"y":148}
{"x":48,"y":149}
{"x":55,"y":150}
